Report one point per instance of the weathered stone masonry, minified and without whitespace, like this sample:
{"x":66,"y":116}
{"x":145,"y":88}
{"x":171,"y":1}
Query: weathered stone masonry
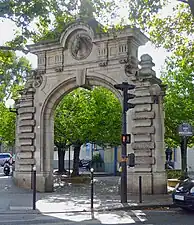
{"x":66,"y":64}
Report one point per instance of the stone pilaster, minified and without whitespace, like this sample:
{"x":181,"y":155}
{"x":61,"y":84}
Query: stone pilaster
{"x":25,"y":136}
{"x":148,"y":129}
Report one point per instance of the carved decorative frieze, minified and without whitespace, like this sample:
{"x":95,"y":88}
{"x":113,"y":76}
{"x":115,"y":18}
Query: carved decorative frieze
{"x":123,"y":61}
{"x":37,"y":76}
{"x":132,"y":66}
{"x":59,"y":69}
{"x":103,"y":63}
{"x":41,"y":60}
{"x":123,"y":48}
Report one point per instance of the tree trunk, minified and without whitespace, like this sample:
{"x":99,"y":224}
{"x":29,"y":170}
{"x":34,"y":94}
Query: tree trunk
{"x":61,"y":157}
{"x":76,"y":160}
{"x":184,"y":157}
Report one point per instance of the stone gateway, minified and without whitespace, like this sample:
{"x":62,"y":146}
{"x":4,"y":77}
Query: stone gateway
{"x":84,"y":56}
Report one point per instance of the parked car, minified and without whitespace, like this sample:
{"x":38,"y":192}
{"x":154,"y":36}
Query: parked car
{"x":183,"y":195}
{"x":4,"y":157}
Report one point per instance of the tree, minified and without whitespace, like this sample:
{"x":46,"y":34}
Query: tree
{"x":7,"y":125}
{"x":169,"y":31}
{"x":13,"y":73}
{"x":88,"y":116}
{"x":179,"y":101}
{"x":36,"y":18}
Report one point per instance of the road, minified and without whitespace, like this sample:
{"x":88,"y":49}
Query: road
{"x":137,"y":217}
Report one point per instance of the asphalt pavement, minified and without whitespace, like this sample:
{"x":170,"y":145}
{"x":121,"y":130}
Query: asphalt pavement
{"x":129,"y":217}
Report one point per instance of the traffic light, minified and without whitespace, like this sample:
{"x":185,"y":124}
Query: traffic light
{"x":125,"y":87}
{"x":131,"y":160}
{"x":126,"y":138}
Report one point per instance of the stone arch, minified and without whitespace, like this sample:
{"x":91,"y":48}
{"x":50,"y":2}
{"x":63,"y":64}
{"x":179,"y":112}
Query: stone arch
{"x":74,"y":28}
{"x":47,"y":120}
{"x":111,"y":60}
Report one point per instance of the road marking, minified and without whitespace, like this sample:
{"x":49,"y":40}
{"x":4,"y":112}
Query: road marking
{"x":120,"y":217}
{"x":140,"y":215}
{"x":20,"y":208}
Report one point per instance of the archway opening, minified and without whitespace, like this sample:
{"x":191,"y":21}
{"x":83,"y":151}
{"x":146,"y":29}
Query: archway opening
{"x":87,"y":127}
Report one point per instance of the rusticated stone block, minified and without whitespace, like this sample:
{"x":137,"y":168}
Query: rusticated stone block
{"x":143,"y":115}
{"x":26,"y":110}
{"x":144,"y":160}
{"x":25,"y":103}
{"x":26,"y":142}
{"x":143,"y":168}
{"x":24,"y":168}
{"x":140,"y":84}
{"x":143,"y":152}
{"x":142,"y":92}
{"x":26,"y":161}
{"x":143,"y":123}
{"x":142,"y":100}
{"x":26,"y":116}
{"x":143,"y":145}
{"x":27,"y":148}
{"x":141,"y":138}
{"x":24,"y":155}
{"x":143,"y":130}
{"x":27,"y":123}
{"x":26,"y":129}
{"x":26,"y":135}
{"x":143,"y":108}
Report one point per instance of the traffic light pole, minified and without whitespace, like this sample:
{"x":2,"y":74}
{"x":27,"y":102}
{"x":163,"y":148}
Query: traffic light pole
{"x":124,"y":152}
{"x":125,"y":87}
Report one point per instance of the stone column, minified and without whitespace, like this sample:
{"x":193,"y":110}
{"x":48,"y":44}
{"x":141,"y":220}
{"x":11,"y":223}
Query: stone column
{"x":148,"y":132}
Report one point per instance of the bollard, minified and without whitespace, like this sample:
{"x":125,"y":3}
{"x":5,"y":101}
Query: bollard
{"x":34,"y":187}
{"x":92,"y":188}
{"x":140,"y":189}
{"x":69,"y":162}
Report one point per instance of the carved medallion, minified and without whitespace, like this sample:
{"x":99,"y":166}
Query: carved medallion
{"x":81,"y":46}
{"x":37,"y":77}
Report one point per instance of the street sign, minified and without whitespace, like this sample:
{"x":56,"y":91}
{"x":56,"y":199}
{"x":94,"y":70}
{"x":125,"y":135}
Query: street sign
{"x":185,"y":129}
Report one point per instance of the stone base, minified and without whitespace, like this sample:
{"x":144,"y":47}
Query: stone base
{"x":44,"y":182}
{"x":152,"y":183}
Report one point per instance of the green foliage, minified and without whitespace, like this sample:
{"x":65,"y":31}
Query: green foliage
{"x":7,"y":125}
{"x":49,"y":16}
{"x":13,"y":71}
{"x":179,"y":100}
{"x":88,"y":116}
{"x":169,"y":31}
{"x":174,"y":174}
{"x":97,"y":158}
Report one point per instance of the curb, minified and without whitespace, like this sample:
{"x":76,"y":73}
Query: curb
{"x":27,"y":210}
{"x":143,"y":206}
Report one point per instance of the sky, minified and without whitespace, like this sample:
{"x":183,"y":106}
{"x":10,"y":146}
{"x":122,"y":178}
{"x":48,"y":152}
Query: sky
{"x":7,"y":30}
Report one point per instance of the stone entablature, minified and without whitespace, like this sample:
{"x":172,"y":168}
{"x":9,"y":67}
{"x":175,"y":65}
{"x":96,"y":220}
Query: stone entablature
{"x":116,"y":46}
{"x":81,"y":58}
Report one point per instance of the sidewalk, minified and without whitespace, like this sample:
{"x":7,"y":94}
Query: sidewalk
{"x":74,"y":198}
